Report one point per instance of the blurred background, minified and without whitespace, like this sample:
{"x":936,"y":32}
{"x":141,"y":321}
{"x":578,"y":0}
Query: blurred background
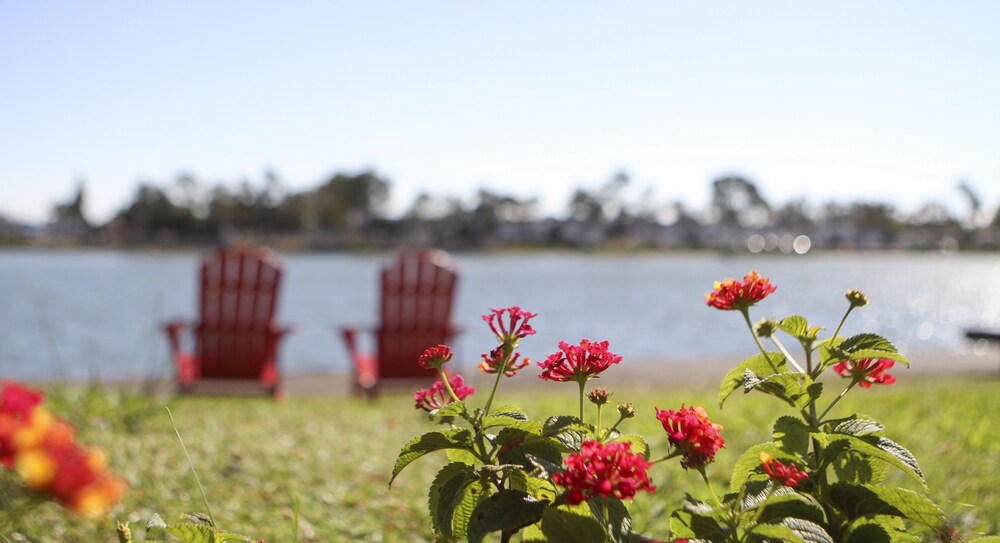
{"x":600,"y":165}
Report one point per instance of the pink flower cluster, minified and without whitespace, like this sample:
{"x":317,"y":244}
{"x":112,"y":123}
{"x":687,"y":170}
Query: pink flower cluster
{"x":867,"y":371}
{"x":578,"y":362}
{"x":435,"y":357}
{"x":787,"y":474}
{"x":492,"y":360}
{"x":691,"y":433}
{"x":514,"y":327}
{"x":432,"y":399}
{"x":608,"y":469}
{"x":731,"y":294}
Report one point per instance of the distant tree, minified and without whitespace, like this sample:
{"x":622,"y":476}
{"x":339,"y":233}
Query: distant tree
{"x":737,"y":201}
{"x":974,"y":217}
{"x":349,"y":201}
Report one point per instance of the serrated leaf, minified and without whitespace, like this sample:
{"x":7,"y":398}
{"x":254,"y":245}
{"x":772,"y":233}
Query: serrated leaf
{"x":543,"y":468}
{"x":638,"y":444}
{"x":453,"y":409}
{"x":507,"y":510}
{"x":746,"y":467}
{"x":857,"y":468}
{"x":878,"y":529}
{"x":878,"y":447}
{"x":795,"y":389}
{"x":866,"y":341}
{"x":430,"y":442}
{"x":192,"y":533}
{"x":567,"y":430}
{"x":792,"y":435}
{"x":511,"y":411}
{"x":795,"y":326}
{"x":618,"y":521}
{"x":492,"y":421}
{"x":794,"y":530}
{"x":473,"y":495}
{"x":688,"y":525}
{"x":858,"y":427}
{"x":791,"y":505}
{"x":859,"y":500}
{"x":515,"y":444}
{"x":446,"y":493}
{"x":561,"y":525}
{"x":759,"y":365}
{"x":460,"y":455}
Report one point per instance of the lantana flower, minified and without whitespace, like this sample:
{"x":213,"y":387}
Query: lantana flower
{"x":692,"y":434}
{"x":492,"y":360}
{"x":731,"y":294}
{"x":510,"y":324}
{"x":607,"y":470}
{"x":43,"y":451}
{"x":432,"y":399}
{"x":867,"y":371}
{"x":578,"y":362}
{"x":435,"y":357}
{"x":787,"y":474}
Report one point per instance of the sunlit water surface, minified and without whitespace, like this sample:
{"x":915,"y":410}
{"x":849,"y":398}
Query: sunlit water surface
{"x":97,"y":314}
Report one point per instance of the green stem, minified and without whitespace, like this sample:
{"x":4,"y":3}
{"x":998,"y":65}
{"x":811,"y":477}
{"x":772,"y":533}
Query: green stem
{"x":500,"y":373}
{"x":447,"y":385}
{"x":746,"y":317}
{"x":583,"y":385}
{"x":842,"y":321}
{"x":708,"y":483}
{"x":835,"y":400}
{"x":197,"y":480}
{"x":599,"y":433}
{"x":674,"y":454}
{"x":788,"y":355}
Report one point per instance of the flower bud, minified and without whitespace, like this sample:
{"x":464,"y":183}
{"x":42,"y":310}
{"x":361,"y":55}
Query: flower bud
{"x":856,"y":298}
{"x":598,"y":396}
{"x":766,"y":328}
{"x":626,"y":410}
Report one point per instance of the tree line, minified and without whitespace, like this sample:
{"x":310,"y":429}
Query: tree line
{"x":350,"y":210}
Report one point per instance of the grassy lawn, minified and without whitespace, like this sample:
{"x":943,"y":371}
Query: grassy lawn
{"x":256,"y":458}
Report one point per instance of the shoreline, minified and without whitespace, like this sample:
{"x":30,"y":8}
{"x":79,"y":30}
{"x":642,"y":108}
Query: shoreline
{"x":669,"y":374}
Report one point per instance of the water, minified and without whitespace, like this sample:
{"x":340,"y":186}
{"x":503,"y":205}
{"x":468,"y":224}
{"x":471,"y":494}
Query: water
{"x":97,"y":314}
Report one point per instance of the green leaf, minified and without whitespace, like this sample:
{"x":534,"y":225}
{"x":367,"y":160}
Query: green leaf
{"x":866,"y":341}
{"x":473,"y":495}
{"x":794,"y":530}
{"x":563,"y":525}
{"x":795,"y":326}
{"x":859,"y":500}
{"x":877,"y":447}
{"x":787,"y":503}
{"x":493,"y":421}
{"x":797,"y":389}
{"x":759,"y":365}
{"x":507,"y":510}
{"x":515,"y":444}
{"x":542,"y":468}
{"x":746,"y":468}
{"x":638,"y":444}
{"x":986,"y":539}
{"x":430,"y":442}
{"x":510,"y":411}
{"x":567,"y":430}
{"x":878,"y":529}
{"x":858,"y":427}
{"x":619,"y":522}
{"x":855,"y":467}
{"x":860,"y":347}
{"x":686,"y":524}
{"x":446,"y":493}
{"x":461,"y":455}
{"x":453,"y":409}
{"x":792,"y":435}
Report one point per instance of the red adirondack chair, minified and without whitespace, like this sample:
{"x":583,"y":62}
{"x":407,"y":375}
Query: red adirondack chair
{"x":417,"y":294}
{"x":236,"y":338}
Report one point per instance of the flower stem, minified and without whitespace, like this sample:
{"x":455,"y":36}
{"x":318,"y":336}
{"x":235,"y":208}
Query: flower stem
{"x":842,"y":321}
{"x":835,"y":400}
{"x":763,"y":351}
{"x":500,"y":373}
{"x":599,"y":433}
{"x":197,"y":480}
{"x":583,"y":385}
{"x":708,"y":483}
{"x":447,"y":385}
{"x":788,"y":356}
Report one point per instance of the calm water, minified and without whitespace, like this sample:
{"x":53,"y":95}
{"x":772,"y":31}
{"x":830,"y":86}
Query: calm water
{"x":97,"y":314}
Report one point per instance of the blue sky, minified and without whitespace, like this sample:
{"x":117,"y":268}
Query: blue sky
{"x":894,"y":101}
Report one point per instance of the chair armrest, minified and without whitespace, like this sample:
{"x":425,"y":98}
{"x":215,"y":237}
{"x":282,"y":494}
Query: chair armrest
{"x":350,"y":333}
{"x":173,"y":330}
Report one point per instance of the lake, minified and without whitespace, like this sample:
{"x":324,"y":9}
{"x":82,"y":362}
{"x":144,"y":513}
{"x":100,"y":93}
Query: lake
{"x":97,"y":314}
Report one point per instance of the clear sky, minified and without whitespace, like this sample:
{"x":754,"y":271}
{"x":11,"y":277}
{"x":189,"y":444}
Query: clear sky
{"x":894,"y":101}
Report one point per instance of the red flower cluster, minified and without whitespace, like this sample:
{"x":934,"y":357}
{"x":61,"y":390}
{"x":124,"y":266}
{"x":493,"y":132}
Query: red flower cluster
{"x":731,"y":294}
{"x":578,"y":362}
{"x":432,"y":399}
{"x":867,"y":371}
{"x":690,"y":431}
{"x":515,"y":326}
{"x":45,"y":454}
{"x":492,"y":360}
{"x":609,"y":469}
{"x":435,"y":357}
{"x":787,"y":474}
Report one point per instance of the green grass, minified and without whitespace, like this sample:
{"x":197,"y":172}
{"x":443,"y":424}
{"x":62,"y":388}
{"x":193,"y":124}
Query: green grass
{"x":256,"y":457}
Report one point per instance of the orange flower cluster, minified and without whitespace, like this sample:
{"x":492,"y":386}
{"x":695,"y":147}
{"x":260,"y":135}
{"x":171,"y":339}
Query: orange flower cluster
{"x":43,"y":450}
{"x":731,"y":294}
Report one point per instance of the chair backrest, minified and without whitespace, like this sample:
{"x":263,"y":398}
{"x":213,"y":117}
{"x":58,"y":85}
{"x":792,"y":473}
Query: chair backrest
{"x":418,"y":290}
{"x":239,"y":292}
